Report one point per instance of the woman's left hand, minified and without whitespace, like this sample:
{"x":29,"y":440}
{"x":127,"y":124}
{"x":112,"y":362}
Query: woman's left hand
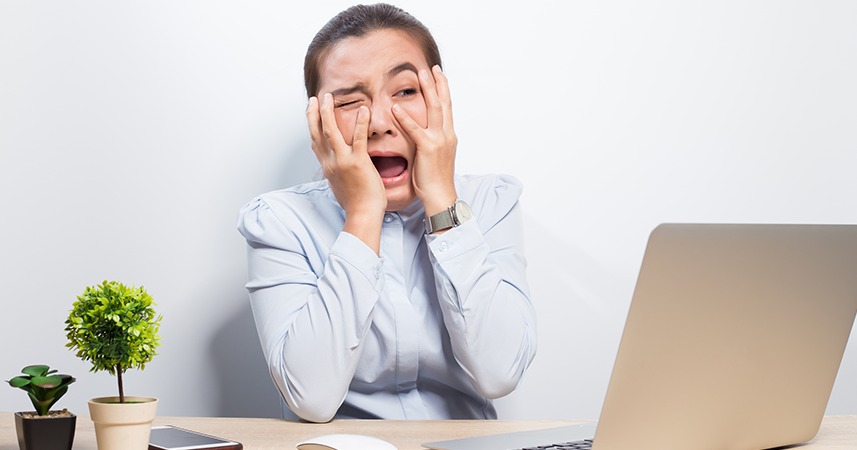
{"x":434,"y":163}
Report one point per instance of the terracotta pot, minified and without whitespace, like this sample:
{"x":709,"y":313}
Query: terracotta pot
{"x":123,"y":426}
{"x":48,"y":433}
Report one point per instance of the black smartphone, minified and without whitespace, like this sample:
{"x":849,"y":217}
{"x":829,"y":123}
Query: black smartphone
{"x":172,"y":438}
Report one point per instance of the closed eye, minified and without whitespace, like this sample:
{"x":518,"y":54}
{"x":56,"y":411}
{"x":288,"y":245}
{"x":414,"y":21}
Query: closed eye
{"x":347,"y":103}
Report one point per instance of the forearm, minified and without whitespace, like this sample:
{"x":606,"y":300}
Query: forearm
{"x":486,"y":308}
{"x":311,"y":333}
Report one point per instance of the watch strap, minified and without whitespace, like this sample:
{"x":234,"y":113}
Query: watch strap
{"x":452,"y":216}
{"x":440,"y":221}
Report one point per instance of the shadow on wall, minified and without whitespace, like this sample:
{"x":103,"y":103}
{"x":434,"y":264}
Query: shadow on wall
{"x":245,"y":386}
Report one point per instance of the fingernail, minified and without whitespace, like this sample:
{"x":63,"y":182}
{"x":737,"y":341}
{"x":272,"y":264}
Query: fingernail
{"x":424,"y":74}
{"x":398,"y":108}
{"x":437,"y":68}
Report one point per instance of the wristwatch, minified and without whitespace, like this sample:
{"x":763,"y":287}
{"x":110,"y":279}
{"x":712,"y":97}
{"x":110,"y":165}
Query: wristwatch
{"x":450,"y":217}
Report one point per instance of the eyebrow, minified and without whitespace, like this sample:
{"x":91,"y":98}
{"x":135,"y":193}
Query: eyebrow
{"x":360,"y":87}
{"x":401,"y":68}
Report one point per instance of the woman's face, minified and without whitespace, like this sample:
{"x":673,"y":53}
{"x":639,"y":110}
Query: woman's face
{"x":378,"y":71}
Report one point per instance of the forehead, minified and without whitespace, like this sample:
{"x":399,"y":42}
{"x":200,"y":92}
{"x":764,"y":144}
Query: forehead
{"x":367,"y":58}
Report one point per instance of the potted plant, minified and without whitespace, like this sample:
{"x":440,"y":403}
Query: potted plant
{"x":44,"y":429}
{"x":115,"y":328}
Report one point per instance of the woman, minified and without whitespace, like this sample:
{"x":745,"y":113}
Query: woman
{"x":363,"y":308}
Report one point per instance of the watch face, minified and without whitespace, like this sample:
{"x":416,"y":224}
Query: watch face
{"x":462,"y":212}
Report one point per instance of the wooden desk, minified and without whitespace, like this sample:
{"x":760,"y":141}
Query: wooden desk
{"x":837,"y":432}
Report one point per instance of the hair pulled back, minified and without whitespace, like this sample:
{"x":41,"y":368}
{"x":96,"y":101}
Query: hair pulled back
{"x":358,"y":21}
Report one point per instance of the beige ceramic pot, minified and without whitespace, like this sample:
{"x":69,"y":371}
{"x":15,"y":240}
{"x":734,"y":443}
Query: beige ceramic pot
{"x":123,"y":426}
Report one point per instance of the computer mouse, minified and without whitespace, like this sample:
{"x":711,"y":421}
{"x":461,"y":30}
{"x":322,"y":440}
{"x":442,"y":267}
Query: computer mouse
{"x":345,"y":442}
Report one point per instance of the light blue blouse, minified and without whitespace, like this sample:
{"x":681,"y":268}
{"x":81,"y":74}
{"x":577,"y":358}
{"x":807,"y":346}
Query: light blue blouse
{"x":432,"y":329}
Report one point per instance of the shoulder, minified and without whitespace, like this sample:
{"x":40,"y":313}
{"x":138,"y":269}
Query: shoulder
{"x":491,"y":197}
{"x":288,"y":210}
{"x":297,"y":197}
{"x":482,"y":184}
{"x":489,"y":189}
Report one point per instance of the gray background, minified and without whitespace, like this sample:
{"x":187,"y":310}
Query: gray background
{"x":132,"y":132}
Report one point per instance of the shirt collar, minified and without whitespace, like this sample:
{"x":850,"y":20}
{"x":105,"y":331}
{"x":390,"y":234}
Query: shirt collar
{"x":415,"y":209}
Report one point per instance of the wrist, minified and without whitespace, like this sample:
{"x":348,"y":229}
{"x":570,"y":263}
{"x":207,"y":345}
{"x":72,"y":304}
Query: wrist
{"x":434,"y":204}
{"x":451,"y":217}
{"x":367,"y":208}
{"x":366,"y":227}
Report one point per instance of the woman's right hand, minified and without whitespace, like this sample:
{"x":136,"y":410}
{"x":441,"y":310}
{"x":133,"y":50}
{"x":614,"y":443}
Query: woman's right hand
{"x":349,"y":170}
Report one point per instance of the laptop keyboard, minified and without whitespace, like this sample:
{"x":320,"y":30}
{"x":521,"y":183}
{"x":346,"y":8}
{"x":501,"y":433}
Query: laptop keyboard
{"x":585,"y":444}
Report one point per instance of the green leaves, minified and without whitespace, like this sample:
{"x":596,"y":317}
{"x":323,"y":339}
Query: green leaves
{"x":114,"y":327}
{"x":19,"y":381}
{"x":36,"y":371}
{"x":43,"y":388}
{"x":46,"y":382}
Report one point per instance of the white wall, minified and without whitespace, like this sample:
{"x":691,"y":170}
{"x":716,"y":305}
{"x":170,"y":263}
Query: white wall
{"x":132,"y":132}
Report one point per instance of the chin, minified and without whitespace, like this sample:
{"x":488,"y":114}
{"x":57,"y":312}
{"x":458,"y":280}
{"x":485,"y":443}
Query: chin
{"x":399,"y":198}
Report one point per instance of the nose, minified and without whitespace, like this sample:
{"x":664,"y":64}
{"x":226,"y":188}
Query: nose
{"x":381,"y":121}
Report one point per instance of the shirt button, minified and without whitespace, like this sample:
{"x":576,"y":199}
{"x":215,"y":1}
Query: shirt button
{"x":443,"y":247}
{"x":377,"y":272}
{"x":388,"y":218}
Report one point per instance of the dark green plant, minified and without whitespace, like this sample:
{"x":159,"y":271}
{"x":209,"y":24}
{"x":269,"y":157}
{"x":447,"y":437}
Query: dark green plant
{"x":42,"y":386}
{"x":115,"y":328}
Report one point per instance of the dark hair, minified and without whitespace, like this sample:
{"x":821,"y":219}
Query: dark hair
{"x":358,"y":21}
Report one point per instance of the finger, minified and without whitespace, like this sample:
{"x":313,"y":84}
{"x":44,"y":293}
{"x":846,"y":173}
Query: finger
{"x":361,"y":130}
{"x":443,"y":94}
{"x":434,"y":109}
{"x":414,"y":130}
{"x":329,"y":127}
{"x":315,"y":134}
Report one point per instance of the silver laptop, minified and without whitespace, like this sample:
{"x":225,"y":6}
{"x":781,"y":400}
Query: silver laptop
{"x":733,"y":340}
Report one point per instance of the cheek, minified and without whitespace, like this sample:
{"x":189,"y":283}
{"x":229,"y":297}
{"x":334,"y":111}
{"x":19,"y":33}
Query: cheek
{"x":345,"y":121}
{"x":416,"y":108}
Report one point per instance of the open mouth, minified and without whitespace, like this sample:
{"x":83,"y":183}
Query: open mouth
{"x":390,"y":166}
